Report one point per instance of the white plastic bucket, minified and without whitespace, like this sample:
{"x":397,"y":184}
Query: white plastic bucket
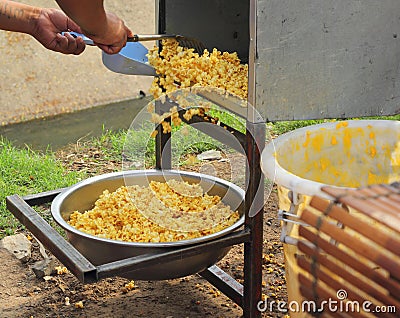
{"x":346,"y":154}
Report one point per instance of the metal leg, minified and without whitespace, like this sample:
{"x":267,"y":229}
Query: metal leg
{"x":163,"y":144}
{"x":254,"y":203}
{"x":225,"y":283}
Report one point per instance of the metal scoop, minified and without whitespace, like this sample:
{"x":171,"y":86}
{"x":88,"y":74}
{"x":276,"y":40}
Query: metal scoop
{"x":131,"y":60}
{"x":182,"y":40}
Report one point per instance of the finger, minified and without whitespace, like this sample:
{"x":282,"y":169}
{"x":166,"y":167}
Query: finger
{"x":71,"y":25}
{"x":129,"y":33}
{"x":69,"y":36}
{"x":110,"y":49}
{"x":80,"y":46}
{"x":61,"y":43}
{"x":75,"y":45}
{"x":67,"y":44}
{"x":71,"y":44}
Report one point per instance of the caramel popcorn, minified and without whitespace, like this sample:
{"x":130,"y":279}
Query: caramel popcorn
{"x":61,"y":270}
{"x":161,"y":212}
{"x":180,"y":67}
{"x":79,"y":304}
{"x":130,"y":285}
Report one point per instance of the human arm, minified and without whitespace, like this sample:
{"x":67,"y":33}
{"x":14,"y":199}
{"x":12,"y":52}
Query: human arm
{"x":106,"y":29}
{"x":43,"y":24}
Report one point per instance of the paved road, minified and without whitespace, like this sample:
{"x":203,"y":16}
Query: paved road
{"x":36,"y":82}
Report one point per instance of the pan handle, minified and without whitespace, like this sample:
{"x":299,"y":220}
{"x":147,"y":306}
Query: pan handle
{"x":84,"y":37}
{"x":151,"y":37}
{"x":134,"y":38}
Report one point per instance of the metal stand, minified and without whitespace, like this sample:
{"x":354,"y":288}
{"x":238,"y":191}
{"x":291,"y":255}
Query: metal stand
{"x":247,"y":295}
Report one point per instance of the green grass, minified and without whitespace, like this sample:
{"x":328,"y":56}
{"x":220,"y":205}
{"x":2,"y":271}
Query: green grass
{"x":282,"y":127}
{"x":136,"y":145}
{"x":23,"y":171}
{"x":229,"y":119}
{"x":111,"y":143}
{"x":394,"y":117}
{"x":279,"y":128}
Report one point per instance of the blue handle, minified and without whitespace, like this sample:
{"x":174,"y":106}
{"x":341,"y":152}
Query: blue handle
{"x":84,"y":37}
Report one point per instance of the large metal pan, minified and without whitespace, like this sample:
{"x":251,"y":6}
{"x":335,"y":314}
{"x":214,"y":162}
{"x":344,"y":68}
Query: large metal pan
{"x":100,"y":251}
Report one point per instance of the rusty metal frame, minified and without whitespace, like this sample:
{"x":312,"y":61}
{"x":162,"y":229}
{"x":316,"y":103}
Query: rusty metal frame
{"x":86,"y":272}
{"x":247,"y":295}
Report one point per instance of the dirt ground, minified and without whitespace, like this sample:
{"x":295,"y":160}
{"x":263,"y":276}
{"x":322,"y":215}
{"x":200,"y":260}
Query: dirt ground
{"x":23,"y":295}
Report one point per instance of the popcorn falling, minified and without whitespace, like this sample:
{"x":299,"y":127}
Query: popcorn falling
{"x":180,"y":67}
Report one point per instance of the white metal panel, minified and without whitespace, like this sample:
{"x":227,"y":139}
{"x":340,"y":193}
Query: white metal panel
{"x":327,"y":59}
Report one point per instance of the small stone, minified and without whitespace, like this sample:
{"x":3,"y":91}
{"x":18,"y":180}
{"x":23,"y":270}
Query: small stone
{"x":18,"y":245}
{"x":209,"y":155}
{"x":44,"y":267}
{"x":42,"y":249}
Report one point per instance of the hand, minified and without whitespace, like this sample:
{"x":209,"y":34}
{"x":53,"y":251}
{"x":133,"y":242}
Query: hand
{"x":47,"y":31}
{"x":114,"y":35}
